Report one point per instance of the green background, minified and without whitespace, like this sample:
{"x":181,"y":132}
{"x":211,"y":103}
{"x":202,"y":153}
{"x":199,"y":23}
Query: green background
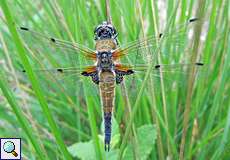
{"x":182,"y":113}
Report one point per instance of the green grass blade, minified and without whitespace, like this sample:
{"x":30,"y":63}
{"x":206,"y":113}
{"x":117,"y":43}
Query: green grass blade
{"x":22,"y":120}
{"x":74,"y":101}
{"x":33,"y":79}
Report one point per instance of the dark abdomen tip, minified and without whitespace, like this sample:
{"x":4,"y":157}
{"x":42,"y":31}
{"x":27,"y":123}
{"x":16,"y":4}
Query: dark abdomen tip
{"x":107,"y":123}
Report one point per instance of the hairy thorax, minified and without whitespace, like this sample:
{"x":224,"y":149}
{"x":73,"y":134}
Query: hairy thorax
{"x":105,"y":45}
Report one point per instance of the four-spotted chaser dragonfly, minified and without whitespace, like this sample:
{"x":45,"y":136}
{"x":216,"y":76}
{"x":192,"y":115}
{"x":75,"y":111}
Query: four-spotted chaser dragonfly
{"x":108,"y":70}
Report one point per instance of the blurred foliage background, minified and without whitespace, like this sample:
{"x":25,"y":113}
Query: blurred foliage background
{"x":180,"y":113}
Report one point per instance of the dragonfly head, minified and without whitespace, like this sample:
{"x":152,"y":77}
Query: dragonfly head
{"x":105,"y":60}
{"x":105,"y":31}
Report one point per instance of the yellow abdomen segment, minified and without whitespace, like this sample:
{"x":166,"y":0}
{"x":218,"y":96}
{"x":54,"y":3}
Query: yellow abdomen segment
{"x":107,"y":90}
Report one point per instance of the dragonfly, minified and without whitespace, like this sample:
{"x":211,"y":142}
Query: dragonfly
{"x":107,"y":70}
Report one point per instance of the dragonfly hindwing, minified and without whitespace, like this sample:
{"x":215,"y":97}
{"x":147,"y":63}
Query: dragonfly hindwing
{"x":120,"y":74}
{"x":93,"y":75}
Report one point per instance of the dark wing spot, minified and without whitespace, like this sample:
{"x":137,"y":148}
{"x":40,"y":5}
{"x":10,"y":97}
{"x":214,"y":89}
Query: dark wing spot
{"x":157,"y":66}
{"x":23,"y":70}
{"x":199,"y":64}
{"x":24,"y":28}
{"x":60,"y":70}
{"x":160,"y":35}
{"x":84,"y":74}
{"x":193,"y":19}
{"x":130,"y":72}
{"x":53,"y":40}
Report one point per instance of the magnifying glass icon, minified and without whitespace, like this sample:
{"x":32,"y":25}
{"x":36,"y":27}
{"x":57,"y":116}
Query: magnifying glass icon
{"x":9,"y":147}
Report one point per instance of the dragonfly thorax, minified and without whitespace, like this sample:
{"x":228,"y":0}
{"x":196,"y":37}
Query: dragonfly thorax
{"x":104,"y":61}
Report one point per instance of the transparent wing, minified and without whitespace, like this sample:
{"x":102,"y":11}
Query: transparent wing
{"x":167,"y":67}
{"x":60,"y":74}
{"x":168,"y":70}
{"x":151,"y":42}
{"x":61,"y":44}
{"x":62,"y":82}
{"x":172,"y":74}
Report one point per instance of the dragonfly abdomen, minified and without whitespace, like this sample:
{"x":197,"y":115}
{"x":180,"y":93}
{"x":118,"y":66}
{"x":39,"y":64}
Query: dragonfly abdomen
{"x":107,"y":91}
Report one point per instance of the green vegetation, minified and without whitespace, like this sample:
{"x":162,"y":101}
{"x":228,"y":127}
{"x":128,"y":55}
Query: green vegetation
{"x":181,"y":112}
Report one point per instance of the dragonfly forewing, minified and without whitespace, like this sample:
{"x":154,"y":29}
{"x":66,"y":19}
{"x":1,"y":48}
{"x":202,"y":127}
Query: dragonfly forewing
{"x":71,"y":47}
{"x":173,"y":37}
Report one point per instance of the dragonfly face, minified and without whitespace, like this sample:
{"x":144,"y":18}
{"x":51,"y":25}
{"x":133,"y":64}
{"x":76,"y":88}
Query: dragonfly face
{"x":105,"y":62}
{"x":105,"y":31}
